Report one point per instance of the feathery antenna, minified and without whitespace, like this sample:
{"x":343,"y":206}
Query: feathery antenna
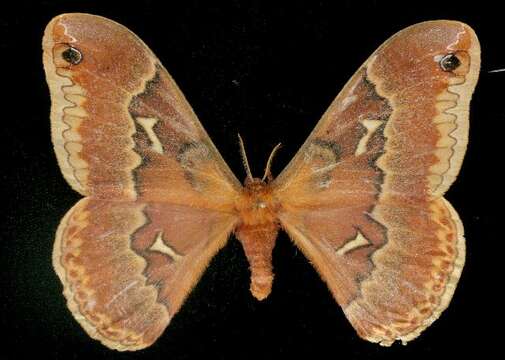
{"x":268,"y":174}
{"x":244,"y":158}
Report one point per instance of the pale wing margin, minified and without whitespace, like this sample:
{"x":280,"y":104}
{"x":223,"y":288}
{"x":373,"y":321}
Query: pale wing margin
{"x":57,"y":85}
{"x":453,"y":122}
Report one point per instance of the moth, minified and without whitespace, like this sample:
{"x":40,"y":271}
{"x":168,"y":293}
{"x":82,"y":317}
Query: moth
{"x":362,"y":198}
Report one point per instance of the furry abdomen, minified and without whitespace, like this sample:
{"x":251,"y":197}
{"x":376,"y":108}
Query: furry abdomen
{"x":257,"y":233}
{"x":258,"y":242}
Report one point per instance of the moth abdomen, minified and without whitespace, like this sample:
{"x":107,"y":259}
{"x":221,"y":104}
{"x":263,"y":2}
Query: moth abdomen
{"x":258,"y":242}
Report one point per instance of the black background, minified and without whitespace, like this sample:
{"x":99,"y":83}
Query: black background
{"x":267,"y":70}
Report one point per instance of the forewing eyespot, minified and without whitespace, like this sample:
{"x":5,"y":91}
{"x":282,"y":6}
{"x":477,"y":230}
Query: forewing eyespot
{"x":72,"y":55}
{"x":450,"y":62}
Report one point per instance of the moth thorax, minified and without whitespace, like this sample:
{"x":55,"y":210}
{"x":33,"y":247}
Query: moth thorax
{"x":257,"y":206}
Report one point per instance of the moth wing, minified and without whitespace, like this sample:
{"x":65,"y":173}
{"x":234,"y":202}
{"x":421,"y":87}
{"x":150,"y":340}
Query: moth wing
{"x":127,"y":267}
{"x":121,"y":128}
{"x":160,"y":199}
{"x":363,"y":196}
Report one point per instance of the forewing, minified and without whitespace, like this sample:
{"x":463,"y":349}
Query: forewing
{"x":363,"y":196}
{"x":127,"y":267}
{"x":121,"y":128}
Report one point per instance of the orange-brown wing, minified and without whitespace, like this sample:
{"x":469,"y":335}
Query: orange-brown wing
{"x":128,"y":266}
{"x":121,"y":128}
{"x":160,"y":199}
{"x":363,"y":196}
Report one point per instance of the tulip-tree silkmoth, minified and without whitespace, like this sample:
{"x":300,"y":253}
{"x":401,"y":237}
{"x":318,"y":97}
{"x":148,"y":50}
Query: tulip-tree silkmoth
{"x":362,"y":198}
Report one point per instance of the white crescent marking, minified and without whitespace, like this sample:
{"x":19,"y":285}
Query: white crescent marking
{"x":160,"y":246}
{"x":371,"y":126}
{"x":148,"y":124}
{"x":358,"y":241}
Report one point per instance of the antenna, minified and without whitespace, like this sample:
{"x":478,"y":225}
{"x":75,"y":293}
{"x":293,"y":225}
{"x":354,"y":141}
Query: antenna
{"x":268,"y":174}
{"x":244,"y":158}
